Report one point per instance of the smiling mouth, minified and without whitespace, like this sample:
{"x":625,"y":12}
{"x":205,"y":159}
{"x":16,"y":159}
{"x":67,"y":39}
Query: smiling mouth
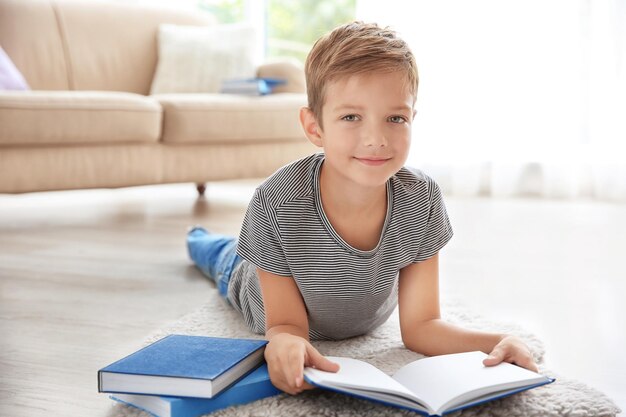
{"x":374,"y":161}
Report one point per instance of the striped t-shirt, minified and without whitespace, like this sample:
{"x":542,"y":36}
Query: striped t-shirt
{"x":346,"y":291}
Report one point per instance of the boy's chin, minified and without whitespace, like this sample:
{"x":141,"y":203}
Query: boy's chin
{"x":373,"y":181}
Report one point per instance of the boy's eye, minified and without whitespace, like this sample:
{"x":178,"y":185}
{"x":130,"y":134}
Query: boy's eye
{"x":350,"y":118}
{"x":397,"y":119}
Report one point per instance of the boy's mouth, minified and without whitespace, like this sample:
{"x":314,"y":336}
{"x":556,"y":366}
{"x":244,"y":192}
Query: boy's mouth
{"x":372,"y":160}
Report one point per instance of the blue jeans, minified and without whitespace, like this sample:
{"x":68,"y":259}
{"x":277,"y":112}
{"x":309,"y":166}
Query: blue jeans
{"x":215,"y":255}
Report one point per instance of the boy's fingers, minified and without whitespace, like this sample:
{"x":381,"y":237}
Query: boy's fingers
{"x":527,"y":362}
{"x":306,"y":385}
{"x":280,"y":382}
{"x":318,"y":361}
{"x":495,"y":357}
{"x":296,"y":369}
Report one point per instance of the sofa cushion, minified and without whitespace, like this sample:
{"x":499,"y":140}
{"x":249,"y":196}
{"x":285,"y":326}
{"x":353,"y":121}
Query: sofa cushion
{"x":87,"y":45}
{"x":198,"y":118}
{"x":196,"y":59}
{"x":77,"y":117}
{"x":30,"y":35}
{"x":112,"y":45}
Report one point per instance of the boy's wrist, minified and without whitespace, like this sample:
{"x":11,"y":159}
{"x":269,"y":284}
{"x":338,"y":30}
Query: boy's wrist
{"x":290,"y":329}
{"x":494,"y":340}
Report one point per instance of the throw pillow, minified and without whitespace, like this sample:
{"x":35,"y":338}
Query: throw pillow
{"x":10,"y":76}
{"x":196,"y":59}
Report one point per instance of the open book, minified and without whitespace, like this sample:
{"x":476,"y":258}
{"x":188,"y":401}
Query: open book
{"x":431,"y":386}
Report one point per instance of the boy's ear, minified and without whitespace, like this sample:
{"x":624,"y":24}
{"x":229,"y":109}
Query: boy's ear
{"x":310,"y":126}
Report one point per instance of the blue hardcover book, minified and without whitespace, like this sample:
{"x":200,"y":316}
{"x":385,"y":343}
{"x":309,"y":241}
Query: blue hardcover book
{"x":254,"y":386}
{"x":183,"y":366}
{"x":432,"y":386}
{"x":251,"y":86}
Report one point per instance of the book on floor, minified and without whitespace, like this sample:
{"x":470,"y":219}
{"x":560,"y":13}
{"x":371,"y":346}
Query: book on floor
{"x":183,"y":366}
{"x":431,"y":386}
{"x":254,"y":386}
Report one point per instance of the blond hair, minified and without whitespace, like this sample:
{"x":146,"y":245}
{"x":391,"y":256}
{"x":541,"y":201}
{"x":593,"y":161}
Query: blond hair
{"x":355,"y":48}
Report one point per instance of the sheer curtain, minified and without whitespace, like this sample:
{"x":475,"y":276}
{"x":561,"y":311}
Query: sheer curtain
{"x":517,"y":97}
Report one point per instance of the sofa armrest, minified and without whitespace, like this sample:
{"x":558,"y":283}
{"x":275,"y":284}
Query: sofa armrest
{"x":291,"y":70}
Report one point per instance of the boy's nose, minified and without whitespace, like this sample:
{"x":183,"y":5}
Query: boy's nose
{"x":375,"y":136}
{"x":375,"y":139}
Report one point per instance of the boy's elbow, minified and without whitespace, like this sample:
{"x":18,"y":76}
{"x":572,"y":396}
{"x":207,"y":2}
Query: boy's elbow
{"x":407,"y":344}
{"x":421,"y":348}
{"x":409,"y":341}
{"x":419,"y":339}
{"x":411,"y":345}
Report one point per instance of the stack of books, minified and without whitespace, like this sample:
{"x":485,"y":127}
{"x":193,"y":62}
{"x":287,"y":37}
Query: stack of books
{"x":188,"y":376}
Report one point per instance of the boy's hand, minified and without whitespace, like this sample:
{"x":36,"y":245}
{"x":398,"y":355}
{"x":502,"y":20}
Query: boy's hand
{"x":287,"y":355}
{"x":511,"y":349}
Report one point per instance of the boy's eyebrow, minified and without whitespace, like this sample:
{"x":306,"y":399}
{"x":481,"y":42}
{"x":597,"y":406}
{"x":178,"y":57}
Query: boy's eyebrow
{"x":348,"y":107}
{"x":361,"y":108}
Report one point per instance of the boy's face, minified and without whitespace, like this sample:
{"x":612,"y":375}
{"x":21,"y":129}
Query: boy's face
{"x":367,"y":127}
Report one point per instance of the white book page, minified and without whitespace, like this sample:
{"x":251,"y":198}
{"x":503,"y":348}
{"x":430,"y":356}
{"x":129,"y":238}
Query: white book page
{"x":451,"y":380}
{"x":361,"y":378}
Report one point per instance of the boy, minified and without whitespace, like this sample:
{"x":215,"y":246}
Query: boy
{"x":333,"y":242}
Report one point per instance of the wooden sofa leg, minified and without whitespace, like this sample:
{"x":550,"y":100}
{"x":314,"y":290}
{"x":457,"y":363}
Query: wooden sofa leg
{"x":201,"y":189}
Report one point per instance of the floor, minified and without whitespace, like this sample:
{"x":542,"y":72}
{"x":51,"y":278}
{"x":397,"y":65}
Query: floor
{"x":86,"y":275}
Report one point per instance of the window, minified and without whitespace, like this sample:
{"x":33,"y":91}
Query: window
{"x":225,"y":11}
{"x":293,"y":26}
{"x":289,"y":27}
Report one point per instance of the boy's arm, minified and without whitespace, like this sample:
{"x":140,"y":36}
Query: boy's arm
{"x":287,"y":330}
{"x":284,"y":308}
{"x":423,"y":330}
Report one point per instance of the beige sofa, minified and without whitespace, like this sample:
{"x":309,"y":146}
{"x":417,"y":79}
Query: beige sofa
{"x":89,"y":121}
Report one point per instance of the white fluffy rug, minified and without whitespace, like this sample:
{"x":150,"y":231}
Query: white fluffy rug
{"x":383,"y":348}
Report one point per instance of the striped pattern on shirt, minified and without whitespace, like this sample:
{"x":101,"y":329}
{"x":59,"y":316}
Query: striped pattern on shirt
{"x":346,"y":291}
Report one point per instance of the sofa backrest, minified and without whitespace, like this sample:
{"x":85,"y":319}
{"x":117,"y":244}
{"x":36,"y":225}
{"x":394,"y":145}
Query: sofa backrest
{"x":86,"y":44}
